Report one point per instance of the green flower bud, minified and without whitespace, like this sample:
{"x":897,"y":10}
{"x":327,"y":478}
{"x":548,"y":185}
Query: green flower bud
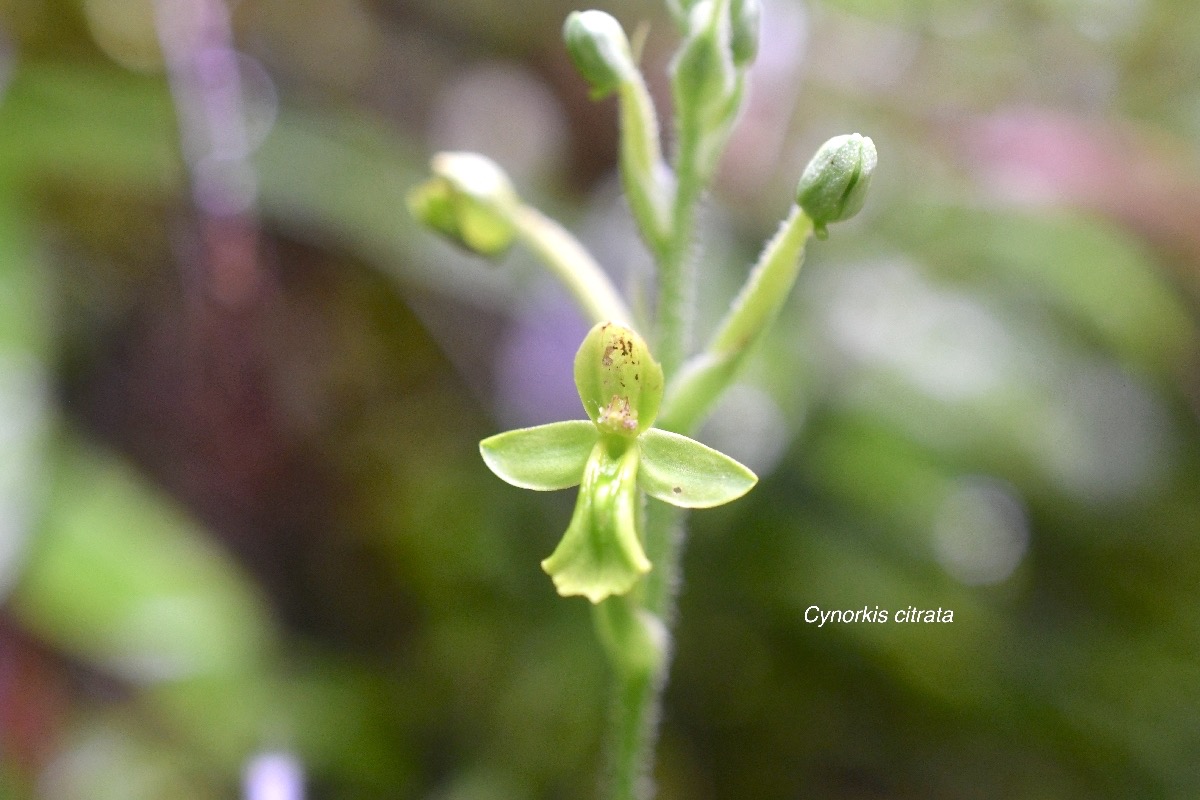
{"x":703,"y":71}
{"x":600,"y":50}
{"x":745,"y":18}
{"x":619,"y":382}
{"x":469,"y":200}
{"x":834,"y":184}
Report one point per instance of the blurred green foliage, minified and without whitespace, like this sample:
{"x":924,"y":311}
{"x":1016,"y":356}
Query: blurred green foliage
{"x":240,"y":520}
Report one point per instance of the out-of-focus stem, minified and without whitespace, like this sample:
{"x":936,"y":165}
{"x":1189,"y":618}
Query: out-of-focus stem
{"x":572,"y":265}
{"x":644,"y":175}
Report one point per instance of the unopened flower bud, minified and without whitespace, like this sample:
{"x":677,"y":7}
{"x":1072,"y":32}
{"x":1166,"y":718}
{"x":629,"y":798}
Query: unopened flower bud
{"x":834,"y":184}
{"x":468,"y":200}
{"x":703,"y":70}
{"x":600,"y":50}
{"x":745,"y":18}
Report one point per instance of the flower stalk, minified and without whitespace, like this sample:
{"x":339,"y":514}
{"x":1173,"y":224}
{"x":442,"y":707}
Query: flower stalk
{"x":636,"y":469}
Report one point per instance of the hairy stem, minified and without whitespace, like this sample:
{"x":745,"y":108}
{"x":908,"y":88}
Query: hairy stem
{"x":709,"y":373}
{"x":676,"y":274}
{"x":638,"y":694}
{"x":634,"y":737}
{"x":637,"y":701}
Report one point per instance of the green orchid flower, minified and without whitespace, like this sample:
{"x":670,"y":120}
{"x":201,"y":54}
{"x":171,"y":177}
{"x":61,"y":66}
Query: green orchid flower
{"x":611,"y":457}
